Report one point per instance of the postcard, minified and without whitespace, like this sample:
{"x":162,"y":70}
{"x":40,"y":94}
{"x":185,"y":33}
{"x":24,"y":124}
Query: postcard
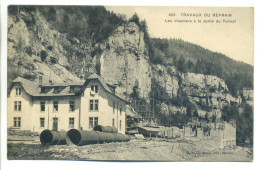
{"x":130,"y":83}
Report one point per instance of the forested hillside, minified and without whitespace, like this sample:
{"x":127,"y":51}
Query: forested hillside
{"x":82,"y":22}
{"x":188,"y":57}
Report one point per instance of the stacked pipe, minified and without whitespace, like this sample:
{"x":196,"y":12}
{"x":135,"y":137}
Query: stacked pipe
{"x":101,"y":134}
{"x":107,"y":129}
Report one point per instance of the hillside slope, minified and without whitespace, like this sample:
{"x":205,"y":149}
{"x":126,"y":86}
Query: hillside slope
{"x":178,"y":76}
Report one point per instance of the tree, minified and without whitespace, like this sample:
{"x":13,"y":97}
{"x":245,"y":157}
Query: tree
{"x":135,"y":19}
{"x":136,"y":91}
{"x":143,"y":26}
{"x":182,"y":65}
{"x":52,"y":14}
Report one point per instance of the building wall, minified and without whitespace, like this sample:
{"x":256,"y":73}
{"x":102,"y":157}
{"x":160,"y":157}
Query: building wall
{"x":25,"y":113}
{"x":105,"y":113}
{"x":31,"y":110}
{"x":63,"y":114}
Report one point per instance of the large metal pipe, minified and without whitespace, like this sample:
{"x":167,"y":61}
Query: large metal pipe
{"x":51,"y":137}
{"x":107,"y":129}
{"x":121,"y":138}
{"x":82,"y":137}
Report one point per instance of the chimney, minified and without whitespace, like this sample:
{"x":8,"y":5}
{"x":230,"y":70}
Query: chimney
{"x":40,"y":80}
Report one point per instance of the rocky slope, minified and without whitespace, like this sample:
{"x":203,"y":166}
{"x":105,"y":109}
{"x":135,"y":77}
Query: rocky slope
{"x":35,"y":48}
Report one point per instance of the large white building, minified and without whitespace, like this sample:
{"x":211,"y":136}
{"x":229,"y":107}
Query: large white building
{"x":37,"y":106}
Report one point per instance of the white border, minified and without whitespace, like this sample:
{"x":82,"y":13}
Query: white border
{"x":77,"y":165}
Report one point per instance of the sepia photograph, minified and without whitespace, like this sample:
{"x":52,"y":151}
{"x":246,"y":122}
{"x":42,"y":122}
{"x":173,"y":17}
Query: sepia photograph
{"x":130,"y":83}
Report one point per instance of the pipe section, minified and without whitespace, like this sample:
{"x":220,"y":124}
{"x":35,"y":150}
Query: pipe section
{"x":50,"y":137}
{"x":107,"y":129}
{"x":82,"y":137}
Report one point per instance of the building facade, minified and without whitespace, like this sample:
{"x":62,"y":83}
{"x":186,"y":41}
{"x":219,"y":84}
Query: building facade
{"x":37,"y":106}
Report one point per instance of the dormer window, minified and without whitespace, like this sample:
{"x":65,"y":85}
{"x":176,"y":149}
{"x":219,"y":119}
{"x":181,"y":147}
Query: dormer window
{"x":72,"y":89}
{"x":42,"y":90}
{"x":18,"y":91}
{"x":56,"y":90}
{"x":94,"y":88}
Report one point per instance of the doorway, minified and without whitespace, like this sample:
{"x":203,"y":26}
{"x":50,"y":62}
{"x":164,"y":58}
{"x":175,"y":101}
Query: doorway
{"x":55,"y":124}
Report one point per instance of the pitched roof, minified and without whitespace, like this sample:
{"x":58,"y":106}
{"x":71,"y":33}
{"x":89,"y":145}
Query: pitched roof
{"x":101,"y":80}
{"x":35,"y":89}
{"x":94,"y":76}
{"x":29,"y":86}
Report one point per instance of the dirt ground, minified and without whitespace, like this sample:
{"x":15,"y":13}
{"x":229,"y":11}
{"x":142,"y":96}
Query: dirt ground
{"x":155,"y":149}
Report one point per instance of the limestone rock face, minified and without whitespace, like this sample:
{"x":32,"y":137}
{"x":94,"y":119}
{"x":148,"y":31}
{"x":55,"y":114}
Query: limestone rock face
{"x":167,"y":78}
{"x":203,"y":81}
{"x":126,"y":58}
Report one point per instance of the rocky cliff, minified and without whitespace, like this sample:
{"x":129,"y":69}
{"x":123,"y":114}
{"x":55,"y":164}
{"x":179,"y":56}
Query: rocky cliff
{"x":35,"y":48}
{"x":126,"y":58}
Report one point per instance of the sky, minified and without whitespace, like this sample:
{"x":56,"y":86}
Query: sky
{"x":235,"y":39}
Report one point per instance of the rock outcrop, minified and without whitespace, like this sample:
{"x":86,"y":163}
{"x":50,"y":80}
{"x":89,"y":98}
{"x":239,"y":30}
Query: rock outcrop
{"x":35,"y":48}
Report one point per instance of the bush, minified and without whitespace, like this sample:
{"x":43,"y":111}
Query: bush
{"x":44,"y":54}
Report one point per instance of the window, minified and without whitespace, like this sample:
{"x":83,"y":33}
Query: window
{"x":42,"y":106}
{"x":91,"y":122}
{"x":42,"y":120}
{"x":18,"y":91}
{"x":120,"y":110}
{"x":55,"y":106}
{"x":93,"y":103}
{"x":94,"y":88}
{"x":120,"y":125}
{"x":95,"y":121}
{"x":72,"y":106}
{"x":71,"y":122}
{"x":114,"y":107}
{"x":96,"y":104}
{"x":17,"y":121}
{"x":113,"y":122}
{"x":17,"y":105}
